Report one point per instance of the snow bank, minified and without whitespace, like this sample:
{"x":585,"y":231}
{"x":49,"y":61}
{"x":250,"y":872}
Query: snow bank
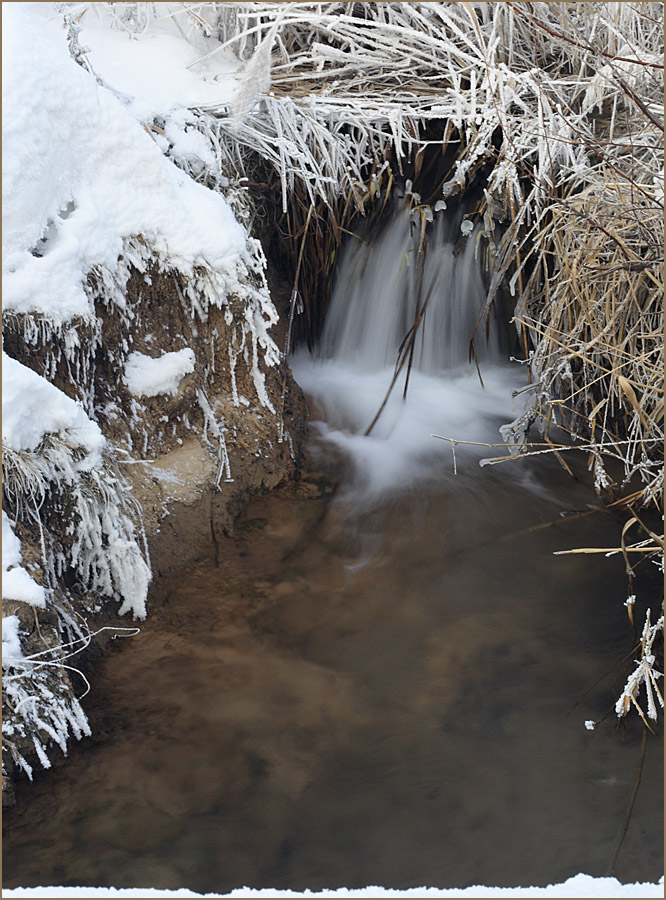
{"x":578,"y":886}
{"x":94,"y":187}
{"x":96,"y":178}
{"x":100,"y":181}
{"x":147,"y":376}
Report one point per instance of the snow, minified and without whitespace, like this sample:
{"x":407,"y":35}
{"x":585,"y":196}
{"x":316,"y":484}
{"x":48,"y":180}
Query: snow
{"x":96,"y":179}
{"x":33,"y":407}
{"x":11,"y":645}
{"x":11,"y":546}
{"x":147,"y":376}
{"x":18,"y":585}
{"x":578,"y":886}
{"x":159,"y":73}
{"x":16,"y":582}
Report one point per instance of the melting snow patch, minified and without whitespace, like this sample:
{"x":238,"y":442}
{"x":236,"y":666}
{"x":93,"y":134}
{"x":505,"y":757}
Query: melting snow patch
{"x":147,"y":376}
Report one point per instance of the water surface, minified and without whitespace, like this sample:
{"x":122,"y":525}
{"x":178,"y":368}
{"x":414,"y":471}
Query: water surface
{"x":388,"y":704}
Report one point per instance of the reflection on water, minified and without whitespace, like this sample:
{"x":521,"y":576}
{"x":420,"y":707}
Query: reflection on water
{"x":324,"y":709}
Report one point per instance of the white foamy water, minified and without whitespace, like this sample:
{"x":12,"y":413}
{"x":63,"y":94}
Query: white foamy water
{"x":378,"y":294}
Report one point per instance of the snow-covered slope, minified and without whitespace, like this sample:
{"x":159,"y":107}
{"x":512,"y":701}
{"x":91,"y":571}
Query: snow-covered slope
{"x":96,"y":178}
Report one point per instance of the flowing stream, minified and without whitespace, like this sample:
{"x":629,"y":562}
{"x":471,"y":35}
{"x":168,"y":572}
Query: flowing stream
{"x":385,"y":678}
{"x":382,"y":290}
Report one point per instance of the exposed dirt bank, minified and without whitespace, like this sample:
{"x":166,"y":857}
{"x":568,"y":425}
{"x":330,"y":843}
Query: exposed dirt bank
{"x":182,"y":462}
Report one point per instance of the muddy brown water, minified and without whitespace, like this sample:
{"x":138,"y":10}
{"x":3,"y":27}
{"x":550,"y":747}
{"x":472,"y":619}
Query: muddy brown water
{"x":383,"y":701}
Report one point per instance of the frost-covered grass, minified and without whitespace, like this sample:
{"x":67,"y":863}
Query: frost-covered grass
{"x":562,"y":105}
{"x":573,"y":200}
{"x":55,"y":464}
{"x":52,"y":453}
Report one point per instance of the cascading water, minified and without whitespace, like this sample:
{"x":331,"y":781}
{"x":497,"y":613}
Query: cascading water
{"x":377,"y":300}
{"x":395,"y":310}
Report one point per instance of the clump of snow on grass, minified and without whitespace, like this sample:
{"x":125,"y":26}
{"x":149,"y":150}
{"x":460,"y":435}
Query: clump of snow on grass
{"x":644,"y":673}
{"x":33,"y":407}
{"x":18,"y":585}
{"x":11,"y":644}
{"x":16,"y":582}
{"x":44,"y":433}
{"x":147,"y":376}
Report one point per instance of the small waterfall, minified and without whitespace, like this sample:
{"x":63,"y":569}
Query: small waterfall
{"x":383,"y":286}
{"x":384,"y":289}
